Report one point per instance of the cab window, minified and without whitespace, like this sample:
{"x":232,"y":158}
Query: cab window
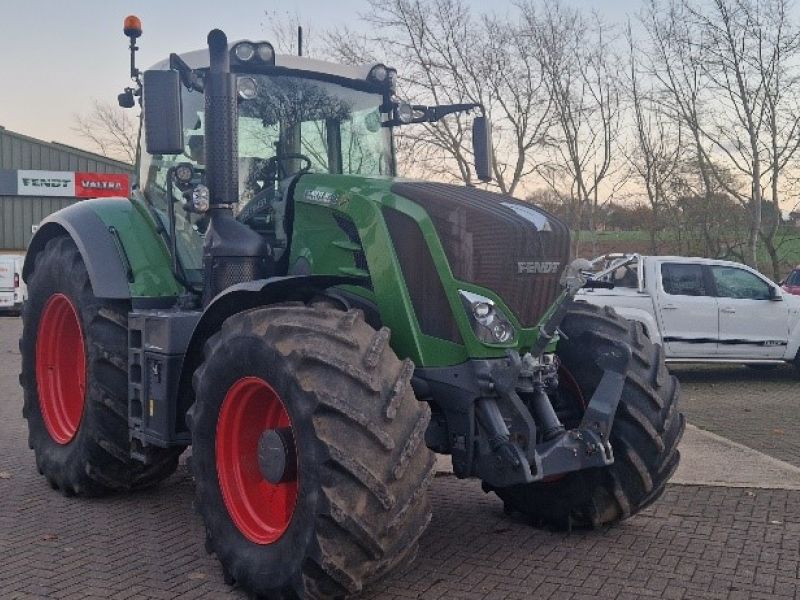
{"x":738,"y":283}
{"x":683,"y":280}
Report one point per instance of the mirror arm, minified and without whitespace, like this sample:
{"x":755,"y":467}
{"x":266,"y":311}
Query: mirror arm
{"x":189,"y":76}
{"x":435,"y":113}
{"x":431,"y":114}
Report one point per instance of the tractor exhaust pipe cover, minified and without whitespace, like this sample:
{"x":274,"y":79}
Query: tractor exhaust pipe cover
{"x":232,"y":252}
{"x":220,"y":124}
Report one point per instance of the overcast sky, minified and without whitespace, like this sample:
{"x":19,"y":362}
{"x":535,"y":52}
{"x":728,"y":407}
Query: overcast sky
{"x":57,"y":56}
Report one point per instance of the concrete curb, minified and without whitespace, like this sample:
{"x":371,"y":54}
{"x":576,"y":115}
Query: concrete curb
{"x":710,"y":459}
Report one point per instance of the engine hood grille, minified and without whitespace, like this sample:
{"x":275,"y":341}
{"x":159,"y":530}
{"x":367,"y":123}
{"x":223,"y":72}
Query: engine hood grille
{"x":515,"y":249}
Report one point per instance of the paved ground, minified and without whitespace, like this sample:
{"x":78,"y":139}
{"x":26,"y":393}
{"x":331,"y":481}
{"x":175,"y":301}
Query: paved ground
{"x":696,"y":542}
{"x":760,"y":409}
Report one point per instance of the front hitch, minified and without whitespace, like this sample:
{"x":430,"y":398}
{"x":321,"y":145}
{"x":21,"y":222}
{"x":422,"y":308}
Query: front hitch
{"x":515,"y":456}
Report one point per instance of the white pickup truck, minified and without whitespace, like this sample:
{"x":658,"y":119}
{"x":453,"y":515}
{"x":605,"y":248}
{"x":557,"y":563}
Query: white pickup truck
{"x":702,"y":310}
{"x":12,"y":288}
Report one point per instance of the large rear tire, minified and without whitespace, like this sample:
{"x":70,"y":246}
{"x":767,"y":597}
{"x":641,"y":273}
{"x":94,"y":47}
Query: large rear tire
{"x":74,"y":376}
{"x":358,"y":501}
{"x":644,"y":436}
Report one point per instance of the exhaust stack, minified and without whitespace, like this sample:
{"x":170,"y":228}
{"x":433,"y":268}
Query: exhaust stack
{"x":232,"y":252}
{"x":222,"y":149}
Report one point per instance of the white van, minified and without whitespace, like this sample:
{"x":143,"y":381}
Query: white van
{"x":13,"y":291}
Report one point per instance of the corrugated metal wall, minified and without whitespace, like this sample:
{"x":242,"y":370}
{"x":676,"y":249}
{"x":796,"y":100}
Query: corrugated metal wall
{"x":19,"y":213}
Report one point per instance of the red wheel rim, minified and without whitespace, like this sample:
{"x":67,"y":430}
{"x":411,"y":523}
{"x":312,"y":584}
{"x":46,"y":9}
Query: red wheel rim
{"x":567,"y":380}
{"x":60,"y":368}
{"x":260,"y":510}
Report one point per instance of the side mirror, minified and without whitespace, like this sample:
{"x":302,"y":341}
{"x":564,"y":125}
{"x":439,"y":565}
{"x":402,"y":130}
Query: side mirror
{"x":163,"y":127}
{"x":775,"y":294}
{"x":482,"y":147}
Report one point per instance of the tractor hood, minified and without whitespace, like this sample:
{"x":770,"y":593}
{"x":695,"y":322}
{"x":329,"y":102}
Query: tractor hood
{"x":513,"y":248}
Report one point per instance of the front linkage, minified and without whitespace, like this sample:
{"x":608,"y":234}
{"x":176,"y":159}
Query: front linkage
{"x":520,"y":437}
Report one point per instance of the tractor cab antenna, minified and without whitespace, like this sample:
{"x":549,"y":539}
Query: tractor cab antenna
{"x":299,"y":40}
{"x":132,"y":28}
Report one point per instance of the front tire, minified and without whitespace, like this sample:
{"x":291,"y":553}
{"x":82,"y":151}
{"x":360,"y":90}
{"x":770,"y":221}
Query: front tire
{"x":358,"y":502}
{"x":644,"y":436}
{"x":74,"y":376}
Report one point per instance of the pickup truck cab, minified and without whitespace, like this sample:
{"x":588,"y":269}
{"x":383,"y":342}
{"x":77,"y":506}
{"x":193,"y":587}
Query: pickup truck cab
{"x":702,"y":310}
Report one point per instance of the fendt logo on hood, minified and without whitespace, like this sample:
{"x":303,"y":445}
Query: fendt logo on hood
{"x":538,"y":266}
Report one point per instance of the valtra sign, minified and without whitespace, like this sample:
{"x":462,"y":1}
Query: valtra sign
{"x":69,"y":184}
{"x":101,"y":185}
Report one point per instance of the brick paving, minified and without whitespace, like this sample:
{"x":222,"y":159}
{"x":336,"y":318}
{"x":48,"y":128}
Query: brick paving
{"x":696,"y":542}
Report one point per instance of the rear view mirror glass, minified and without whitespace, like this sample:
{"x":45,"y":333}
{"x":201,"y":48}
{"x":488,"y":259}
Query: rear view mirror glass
{"x":163,"y":128}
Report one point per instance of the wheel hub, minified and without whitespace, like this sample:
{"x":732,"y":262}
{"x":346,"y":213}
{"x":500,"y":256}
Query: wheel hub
{"x":277,"y":458}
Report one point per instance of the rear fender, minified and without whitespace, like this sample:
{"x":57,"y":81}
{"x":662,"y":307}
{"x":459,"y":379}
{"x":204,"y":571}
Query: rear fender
{"x":125,"y":256}
{"x":107,"y":274}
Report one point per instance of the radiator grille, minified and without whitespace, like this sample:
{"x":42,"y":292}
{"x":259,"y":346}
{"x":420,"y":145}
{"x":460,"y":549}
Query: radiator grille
{"x":422,"y":280}
{"x":497,"y":242}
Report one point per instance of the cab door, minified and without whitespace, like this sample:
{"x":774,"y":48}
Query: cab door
{"x":688,"y":311}
{"x":753,"y":320}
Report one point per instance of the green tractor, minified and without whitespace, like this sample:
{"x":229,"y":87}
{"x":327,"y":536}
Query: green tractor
{"x":316,"y":328}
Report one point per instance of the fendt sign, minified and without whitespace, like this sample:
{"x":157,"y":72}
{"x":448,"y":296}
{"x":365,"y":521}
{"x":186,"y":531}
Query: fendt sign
{"x":69,"y":184}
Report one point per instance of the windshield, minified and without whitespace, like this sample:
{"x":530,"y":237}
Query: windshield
{"x":290,"y":125}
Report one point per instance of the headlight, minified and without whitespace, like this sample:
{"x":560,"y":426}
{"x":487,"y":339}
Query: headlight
{"x":244,"y":51}
{"x":489,"y":323}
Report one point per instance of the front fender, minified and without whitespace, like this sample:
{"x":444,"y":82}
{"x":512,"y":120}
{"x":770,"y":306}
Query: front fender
{"x":246,"y":296}
{"x":645,"y":318}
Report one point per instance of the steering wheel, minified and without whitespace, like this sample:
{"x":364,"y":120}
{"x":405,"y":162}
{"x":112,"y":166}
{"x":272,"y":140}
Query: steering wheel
{"x":273,"y":170}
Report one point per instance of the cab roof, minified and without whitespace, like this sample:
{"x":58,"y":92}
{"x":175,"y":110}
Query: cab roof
{"x":198,"y":59}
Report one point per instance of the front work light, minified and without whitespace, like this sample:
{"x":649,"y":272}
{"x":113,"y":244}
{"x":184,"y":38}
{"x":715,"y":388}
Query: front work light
{"x":379,"y":73}
{"x":244,"y":51}
{"x":405,"y":112}
{"x":488,"y":322}
{"x":265,"y":53}
{"x":200,"y":197}
{"x":247,"y":88}
{"x":184,"y":173}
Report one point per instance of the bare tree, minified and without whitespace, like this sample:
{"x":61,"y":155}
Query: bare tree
{"x":735,"y":126}
{"x":656,"y":150}
{"x":675,"y":63}
{"x":779,"y":46}
{"x":446,"y":55}
{"x":111,"y":131}
{"x":582,"y":73}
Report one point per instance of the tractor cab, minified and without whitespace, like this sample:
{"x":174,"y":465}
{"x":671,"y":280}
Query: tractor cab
{"x":295,"y":115}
